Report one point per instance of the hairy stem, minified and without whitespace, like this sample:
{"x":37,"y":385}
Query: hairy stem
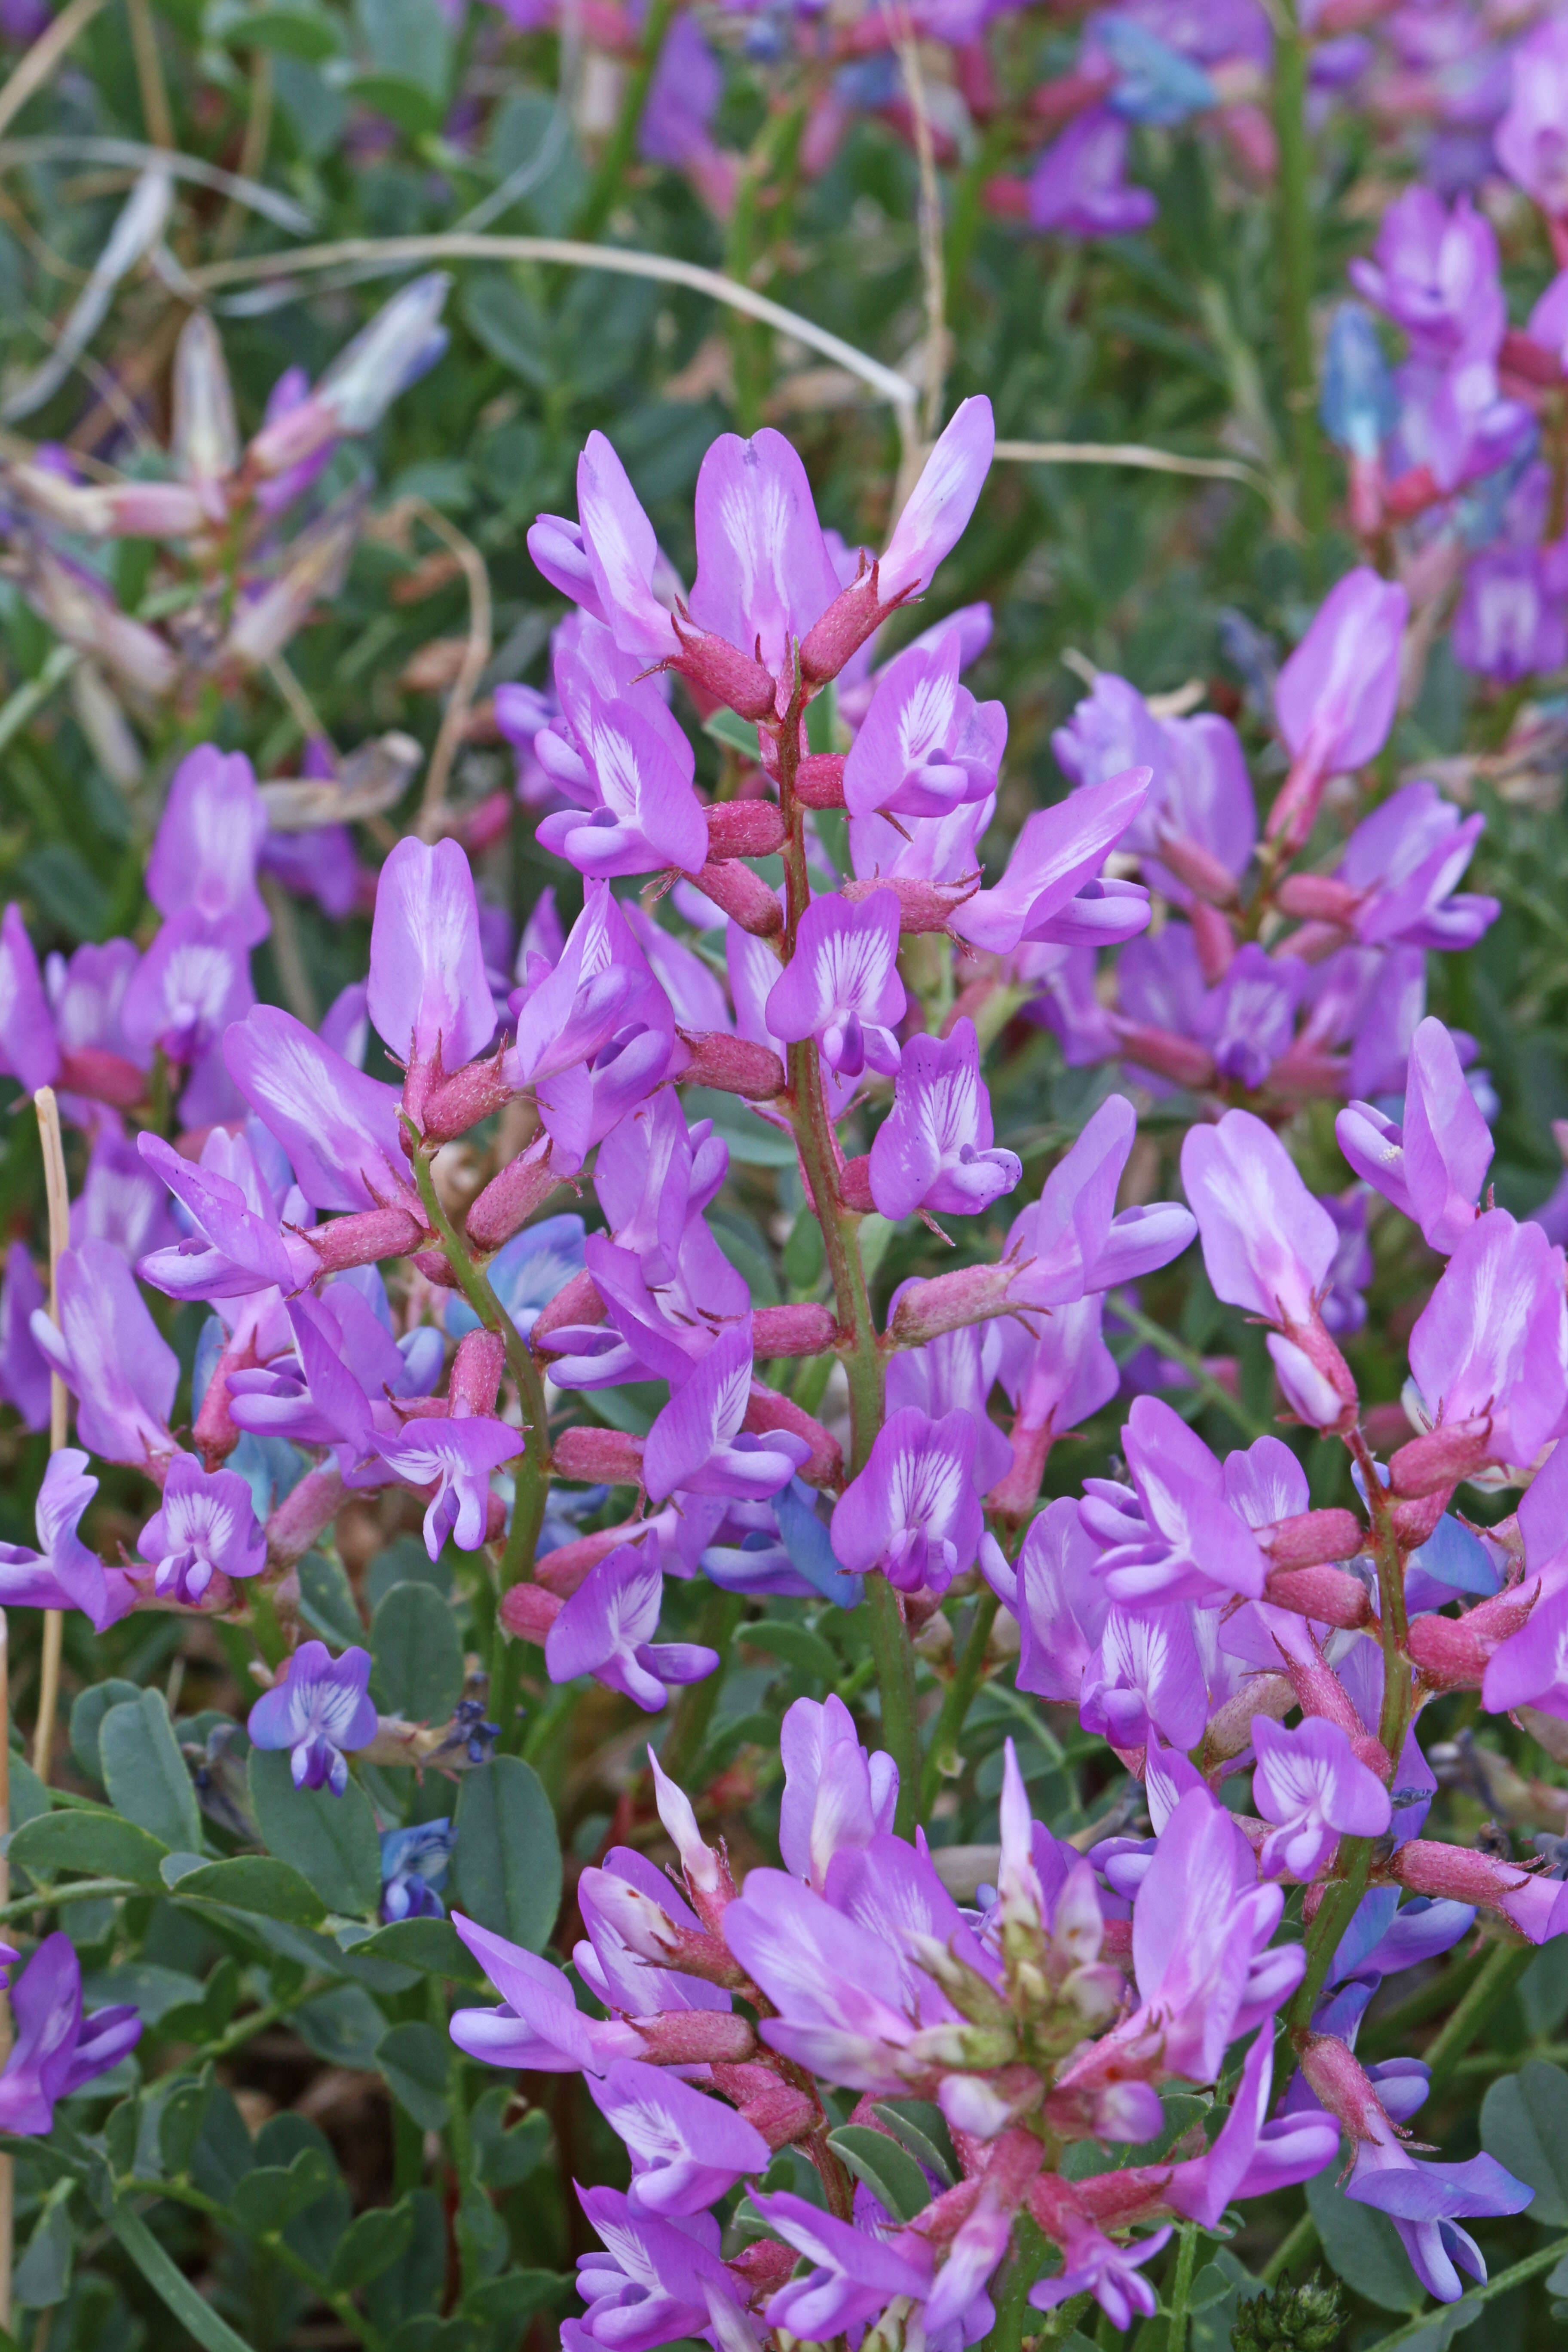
{"x":1182,"y":2286}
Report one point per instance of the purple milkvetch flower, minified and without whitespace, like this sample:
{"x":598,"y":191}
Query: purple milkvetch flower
{"x":1078,"y":186}
{"x":538,"y":2026}
{"x":1404,"y":859}
{"x":339,"y":1128}
{"x":1511,"y":622}
{"x":655,"y":2281}
{"x":1424,"y":2202}
{"x":1060,"y":1604}
{"x":654,"y":1177}
{"x":320,"y":1707}
{"x":1343,"y":1303}
{"x":233,"y":1246}
{"x":1251,"y":2157}
{"x":1144,"y":1670}
{"x":853,"y":2275}
{"x":1095,"y":2264}
{"x":625,"y":763}
{"x":529,"y":1271}
{"x":595,"y":1035}
{"x":1307,"y":1783}
{"x":934,"y":1151}
{"x":635,"y":1921}
{"x":1491,"y":1345}
{"x":925,"y":745}
{"x":686,"y":2149}
{"x":1187,"y":1540}
{"x":428,"y":995}
{"x":1200,"y":799}
{"x":1249,"y":1021}
{"x":1049,"y":891}
{"x":697,"y":1444}
{"x":455,"y":1456}
{"x":395,"y":350}
{"x":841,"y":985}
{"x":66,"y":1574}
{"x":604,"y":1630}
{"x":1070,"y":1241}
{"x":956,"y":1372}
{"x":413,"y":1866}
{"x":913,"y":1512}
{"x":206,"y":1526}
{"x":839,"y":1986}
{"x":1334,"y":699}
{"x":86,"y":1001}
{"x":204,"y":855}
{"x":1433,"y":1166}
{"x":836,"y":1794}
{"x":111,"y":1355}
{"x":57,"y":2051}
{"x":1435,"y":273}
{"x":29,"y":1050}
{"x":763,"y":571}
{"x":1530,"y":144}
{"x":122,"y":1201}
{"x":24,"y":1367}
{"x":192,"y":983}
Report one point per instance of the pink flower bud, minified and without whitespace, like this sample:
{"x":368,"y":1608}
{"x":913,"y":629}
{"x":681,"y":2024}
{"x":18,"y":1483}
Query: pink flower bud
{"x":922,"y":906}
{"x":701,"y":2037}
{"x":855,"y":615}
{"x":579,"y":1302}
{"x":780,"y":2113}
{"x":744,"y":829}
{"x":1165,"y":1053}
{"x":766,"y":1410}
{"x":215,"y":1431}
{"x":433,"y":1264}
{"x":364,"y":1238}
{"x":1215,"y":941}
{"x":732,"y":1065}
{"x":511,"y":1198}
{"x":1198,"y":867}
{"x":1329,"y":1596}
{"x":742,"y":895}
{"x":721,"y":670}
{"x":948,"y":1301}
{"x":1452,"y":1654}
{"x":1313,"y":1537}
{"x":1319,"y":898}
{"x":529,"y":1611}
{"x":819,"y":780}
{"x":454,"y":1105}
{"x":592,"y":1457}
{"x":1426,"y":1866}
{"x":806,"y":1329}
{"x":107,"y":1078}
{"x":1442,"y":1457}
{"x":564,"y":1569}
{"x":1344,"y":2085}
{"x":477,"y":1371}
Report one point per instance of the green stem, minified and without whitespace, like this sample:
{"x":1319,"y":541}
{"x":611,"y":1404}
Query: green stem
{"x":1013,"y":2303}
{"x":942,"y":1755}
{"x":533,"y":1478}
{"x":1176,"y":1351}
{"x":1334,"y":1916}
{"x":896,"y":1680}
{"x":716,"y":1629}
{"x":151,"y":2260}
{"x":1532,"y":2267}
{"x":1291,"y":2249}
{"x":1295,"y":245}
{"x":606,"y":188}
{"x":1505,"y":1964}
{"x":30,"y":698}
{"x":1181,"y":2287}
{"x":80,"y":1890}
{"x":1387,"y":2036}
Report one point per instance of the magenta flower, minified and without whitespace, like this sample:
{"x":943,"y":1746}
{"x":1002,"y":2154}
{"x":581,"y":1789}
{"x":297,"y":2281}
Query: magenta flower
{"x":1078,"y":186}
{"x":1435,"y":273}
{"x":934,"y":1151}
{"x":1307,"y":1783}
{"x":456,"y":1456}
{"x":209,"y":838}
{"x":1059,"y":1600}
{"x":1511,"y":622}
{"x":1268,"y":1244}
{"x":852,"y":2275}
{"x":925,"y":745}
{"x":655,"y":2281}
{"x":206,"y":1526}
{"x":1071,"y":1240}
{"x":1187,"y":1544}
{"x":1250,"y":2156}
{"x":192,"y":983}
{"x":625,"y":763}
{"x":429,"y":996}
{"x":1403,"y":861}
{"x":1426,"y":2201}
{"x":1334,"y":699}
{"x":111,"y":1355}
{"x":1491,"y":1346}
{"x":29,"y":1050}
{"x":538,"y":2026}
{"x":763,"y":573}
{"x":686,"y":2149}
{"x":913,"y":1512}
{"x":594,"y":1036}
{"x":234,"y":1245}
{"x":1144,"y":1672}
{"x":320,"y":1707}
{"x":697,"y":1443}
{"x":1529,"y":142}
{"x":57,"y":2051}
{"x":956,"y":1372}
{"x":339,"y":1128}
{"x":1433,"y":1166}
{"x":121,"y":1200}
{"x":66,"y":1574}
{"x":1249,"y":1021}
{"x":841,"y":985}
{"x":1059,"y":1379}
{"x":23,"y":1369}
{"x":604,"y":1630}
{"x":1094,"y":2263}
{"x":1049,"y":891}
{"x":836,"y":1795}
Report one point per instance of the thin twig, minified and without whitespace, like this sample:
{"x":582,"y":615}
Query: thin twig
{"x":1154,"y":461}
{"x":58,"y":1198}
{"x":135,"y":154}
{"x":933,"y":269}
{"x":44,"y":56}
{"x":252,"y":152}
{"x":288,"y":955}
{"x":155,"y":111}
{"x":476,"y":654}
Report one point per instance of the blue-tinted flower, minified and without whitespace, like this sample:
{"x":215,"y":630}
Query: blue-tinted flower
{"x":413,"y":1865}
{"x":320,"y":1707}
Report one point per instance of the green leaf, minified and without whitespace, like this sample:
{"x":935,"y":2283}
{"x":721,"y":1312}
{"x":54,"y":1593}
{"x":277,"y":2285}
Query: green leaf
{"x":503,"y":2158}
{"x":506,"y":1865}
{"x":418,"y":1655}
{"x":342,"y":2026}
{"x":510,"y":2300}
{"x":797,"y":1645}
{"x":327,"y":1600}
{"x":919,"y":2125}
{"x":271,"y":2194}
{"x":406,"y":1562}
{"x":152,"y":1990}
{"x":499,"y":316}
{"x":171,"y":2286}
{"x":1524,"y":2124}
{"x":371,"y":2244}
{"x":182,"y":2121}
{"x":736,"y":734}
{"x":256,"y":1882}
{"x":416,"y":2281}
{"x":409,"y":104}
{"x":1543,"y":1989}
{"x":88,"y":1712}
{"x":1364,"y":2248}
{"x":415,"y":2060}
{"x":287,"y":32}
{"x":145,"y":1773}
{"x":95,"y":1845}
{"x":431,"y":1945}
{"x":888,"y":2171}
{"x":410,"y":38}
{"x":331,"y":1841}
{"x":752,"y":1142}
{"x":222,"y":2154}
{"x":43,"y":2276}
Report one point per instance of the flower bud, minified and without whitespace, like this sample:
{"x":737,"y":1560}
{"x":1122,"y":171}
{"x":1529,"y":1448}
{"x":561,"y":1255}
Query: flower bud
{"x":734,"y":1066}
{"x":528,"y":1610}
{"x":721,"y":670}
{"x":107,"y":1078}
{"x":595,"y":1457}
{"x":511,"y":1198}
{"x":766,"y":1410}
{"x":707,"y":1872}
{"x":819,"y":780}
{"x":1316,"y":1380}
{"x":364,"y":1238}
{"x":1319,"y":898}
{"x":978,"y":2047}
{"x":1129,"y":2112}
{"x":1453,"y":1654}
{"x":1311,"y":1539}
{"x":806,"y":1329}
{"x":743,"y":896}
{"x":967,"y":1989}
{"x":971,"y":2105}
{"x":1439,"y":1459}
{"x":476,"y":1371}
{"x":922,"y":906}
{"x":1169,"y":1056}
{"x":1328,"y":1595}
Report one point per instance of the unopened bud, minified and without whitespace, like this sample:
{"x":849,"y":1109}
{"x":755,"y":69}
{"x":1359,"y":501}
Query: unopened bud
{"x":1330,"y":1596}
{"x":808,"y":1328}
{"x":819,"y":780}
{"x":922,"y":906}
{"x":599,"y":1457}
{"x":1095,"y":1994}
{"x":477,"y":1371}
{"x":967,"y":1989}
{"x":1311,"y":1539}
{"x":766,"y":1410}
{"x":978,"y":2047}
{"x":1437,"y":1461}
{"x":744,"y":829}
{"x":1452,"y":1654}
{"x":528,"y":1611}
{"x":576,"y":1302}
{"x":707,"y":1872}
{"x":1198,"y":867}
{"x":1314,"y":1376}
{"x":743,"y":896}
{"x":107,"y":1078}
{"x":733,"y":1065}
{"x":1319,"y":898}
{"x":1128,"y":2112}
{"x":721,"y":670}
{"x":1165,"y":1052}
{"x":971,"y":2105}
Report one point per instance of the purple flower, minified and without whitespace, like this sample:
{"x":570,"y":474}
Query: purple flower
{"x":697,"y":1445}
{"x":686,"y":2149}
{"x":1491,"y":1345}
{"x":1435,"y":273}
{"x":111,"y":1355}
{"x":1187,"y":1544}
{"x":206,"y":1526}
{"x":595,"y":1035}
{"x":653,"y":2282}
{"x":192,"y":983}
{"x":28,"y":1051}
{"x":841,"y":985}
{"x":1334,"y":699}
{"x":1424,"y":2202}
{"x":233,"y":1246}
{"x":604,"y":1630}
{"x":23,"y":1369}
{"x":838,"y":1987}
{"x":1070,"y":1241}
{"x":413,"y":1865}
{"x":339,"y":1128}
{"x":538,"y":2026}
{"x":456,"y":1456}
{"x":1251,"y":2157}
{"x":429,"y":996}
{"x":836,"y":1795}
{"x":209,"y":837}
{"x":57,"y":2051}
{"x":956,"y":1372}
{"x":763,"y":571}
{"x":925,"y":745}
{"x":853,"y":2275}
{"x":1079,"y":187}
{"x":66,"y":1574}
{"x":122,"y":1201}
{"x":1145,"y":1671}
{"x":1049,"y":891}
{"x":1248,"y":1022}
{"x":1267,"y":1245}
{"x":1307,"y":1783}
{"x":320,"y":1707}
{"x":622,"y":759}
{"x":1060,"y":1604}
{"x":1094,"y":2263}
{"x":934,"y":1151}
{"x":913,"y":1512}
{"x":1511,"y":622}
{"x":1404,"y":859}
{"x":1433,"y":1166}
{"x":1529,"y":140}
